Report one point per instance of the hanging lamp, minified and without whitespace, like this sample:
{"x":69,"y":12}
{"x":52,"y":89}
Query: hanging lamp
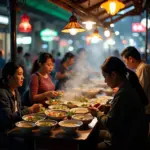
{"x":112,"y":6}
{"x":73,"y":27}
{"x":96,"y":35}
{"x":89,"y":23}
{"x":25,"y":25}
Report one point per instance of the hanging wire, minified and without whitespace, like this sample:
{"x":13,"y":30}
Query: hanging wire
{"x":89,"y":4}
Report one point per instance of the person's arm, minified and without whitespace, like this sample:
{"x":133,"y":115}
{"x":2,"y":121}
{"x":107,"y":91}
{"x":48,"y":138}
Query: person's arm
{"x":60,"y":75}
{"x":34,"y":86}
{"x":7,"y":118}
{"x":115,"y":116}
{"x":144,"y":79}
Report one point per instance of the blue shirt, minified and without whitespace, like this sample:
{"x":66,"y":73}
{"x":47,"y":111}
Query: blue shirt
{"x":2,"y":62}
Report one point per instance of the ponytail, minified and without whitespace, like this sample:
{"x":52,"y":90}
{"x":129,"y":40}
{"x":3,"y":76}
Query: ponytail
{"x":41,"y":59}
{"x":35,"y":67}
{"x":134,"y":81}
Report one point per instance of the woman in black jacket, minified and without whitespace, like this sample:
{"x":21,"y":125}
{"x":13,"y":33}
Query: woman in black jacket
{"x":11,"y":110}
{"x":125,"y":121}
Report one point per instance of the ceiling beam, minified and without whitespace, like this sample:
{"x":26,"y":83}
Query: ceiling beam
{"x":68,"y":8}
{"x":95,"y":6}
{"x":130,"y":13}
{"x":82,"y":10}
{"x":79,"y":1}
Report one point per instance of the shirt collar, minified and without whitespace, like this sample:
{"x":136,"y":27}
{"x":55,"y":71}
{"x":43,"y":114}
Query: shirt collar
{"x":139,"y":66}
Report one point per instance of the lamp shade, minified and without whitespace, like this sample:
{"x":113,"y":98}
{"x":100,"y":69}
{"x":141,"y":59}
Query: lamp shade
{"x":112,"y":6}
{"x":25,"y":25}
{"x":73,"y":27}
{"x":96,"y":34}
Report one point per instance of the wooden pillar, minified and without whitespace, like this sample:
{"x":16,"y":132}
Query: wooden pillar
{"x":146,"y":38}
{"x":12,"y":16}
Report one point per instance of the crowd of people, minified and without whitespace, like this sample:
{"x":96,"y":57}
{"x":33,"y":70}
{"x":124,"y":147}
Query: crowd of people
{"x":124,"y":125}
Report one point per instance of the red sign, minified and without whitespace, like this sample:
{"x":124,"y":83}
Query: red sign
{"x":138,"y":27}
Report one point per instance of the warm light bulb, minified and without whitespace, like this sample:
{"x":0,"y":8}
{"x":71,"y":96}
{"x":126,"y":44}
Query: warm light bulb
{"x":107,"y":33}
{"x":112,"y":7}
{"x":95,"y":39}
{"x":89,"y":24}
{"x":73,"y":31}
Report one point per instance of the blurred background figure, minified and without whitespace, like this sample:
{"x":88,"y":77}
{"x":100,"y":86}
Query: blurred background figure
{"x":2,"y":62}
{"x":116,"y":53}
{"x":64,"y":72}
{"x":28,"y":66}
{"x":21,"y":62}
{"x":58,"y":61}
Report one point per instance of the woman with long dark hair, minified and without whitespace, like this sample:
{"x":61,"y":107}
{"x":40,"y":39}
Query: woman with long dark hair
{"x":64,"y":71}
{"x":125,"y":121}
{"x":11,"y":110}
{"x":41,"y":85}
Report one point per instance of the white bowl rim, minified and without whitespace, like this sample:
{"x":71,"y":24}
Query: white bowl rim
{"x":85,"y":108}
{"x":48,"y":120}
{"x":78,"y":122}
{"x":90,"y":117}
{"x":31,"y":122}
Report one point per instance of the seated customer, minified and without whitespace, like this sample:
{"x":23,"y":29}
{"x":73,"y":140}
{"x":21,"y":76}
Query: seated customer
{"x":11,"y":110}
{"x":41,"y":85}
{"x":64,"y":72}
{"x":125,"y":121}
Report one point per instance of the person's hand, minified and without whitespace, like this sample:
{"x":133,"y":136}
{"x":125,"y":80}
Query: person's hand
{"x":115,"y":90}
{"x":53,"y":94}
{"x":60,"y":93}
{"x":34,"y":108}
{"x":104,"y":108}
{"x":93,"y":110}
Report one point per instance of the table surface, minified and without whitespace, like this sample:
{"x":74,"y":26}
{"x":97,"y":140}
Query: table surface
{"x":57,"y":133}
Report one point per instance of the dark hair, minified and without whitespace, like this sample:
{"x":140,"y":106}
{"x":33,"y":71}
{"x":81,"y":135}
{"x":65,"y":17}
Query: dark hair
{"x":9,"y":69}
{"x":1,"y":53}
{"x":134,"y":81}
{"x":26,"y":54}
{"x":114,"y":64}
{"x":19,"y":49}
{"x":41,"y":59}
{"x":68,"y":55}
{"x":131,"y":51}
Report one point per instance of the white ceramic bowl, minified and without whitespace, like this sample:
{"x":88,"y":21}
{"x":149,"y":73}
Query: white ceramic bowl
{"x":70,"y":126}
{"x":33,"y":117}
{"x":59,"y":107}
{"x":56,"y":114}
{"x":25,"y":126}
{"x":46,"y":126}
{"x":79,"y":110}
{"x":85,"y":118}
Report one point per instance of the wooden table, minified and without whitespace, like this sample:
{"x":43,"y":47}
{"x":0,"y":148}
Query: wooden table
{"x":57,"y":139}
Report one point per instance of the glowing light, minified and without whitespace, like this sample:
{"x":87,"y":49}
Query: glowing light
{"x":89,"y":24}
{"x":25,"y":25}
{"x":73,"y":31}
{"x":107,"y":33}
{"x":112,"y":25}
{"x":70,"y":48}
{"x":112,"y":6}
{"x":143,"y":22}
{"x":117,"y":32}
